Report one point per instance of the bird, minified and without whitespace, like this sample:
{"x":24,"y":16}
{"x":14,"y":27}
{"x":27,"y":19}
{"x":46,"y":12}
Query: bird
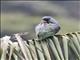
{"x":47,"y":27}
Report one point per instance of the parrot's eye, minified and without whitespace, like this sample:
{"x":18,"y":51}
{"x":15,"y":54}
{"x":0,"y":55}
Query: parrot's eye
{"x":46,"y":19}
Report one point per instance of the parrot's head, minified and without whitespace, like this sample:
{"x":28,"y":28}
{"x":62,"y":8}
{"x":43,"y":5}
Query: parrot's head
{"x":46,"y":19}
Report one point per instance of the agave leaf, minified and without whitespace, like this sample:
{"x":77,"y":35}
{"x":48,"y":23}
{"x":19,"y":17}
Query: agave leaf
{"x":39,"y":50}
{"x":1,"y":52}
{"x":22,"y":46}
{"x":11,"y":51}
{"x":44,"y":46}
{"x":73,"y":48}
{"x":65,"y":46}
{"x":16,"y":46}
{"x":15,"y":56}
{"x":18,"y":55}
{"x":33,"y":50}
{"x":58,"y":47}
{"x":27,"y":50}
{"x":16,"y":52}
{"x":76,"y":43}
{"x":4,"y":46}
{"x":51,"y":44}
{"x":0,"y":49}
{"x":78,"y":36}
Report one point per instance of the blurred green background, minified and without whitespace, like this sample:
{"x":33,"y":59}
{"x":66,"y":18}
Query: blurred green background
{"x":23,"y":16}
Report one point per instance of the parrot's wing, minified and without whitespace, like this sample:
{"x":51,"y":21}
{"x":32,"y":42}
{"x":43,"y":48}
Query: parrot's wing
{"x":54,"y":27}
{"x":44,"y":31}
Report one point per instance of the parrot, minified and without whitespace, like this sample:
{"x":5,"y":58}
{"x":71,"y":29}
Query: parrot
{"x":47,"y":27}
